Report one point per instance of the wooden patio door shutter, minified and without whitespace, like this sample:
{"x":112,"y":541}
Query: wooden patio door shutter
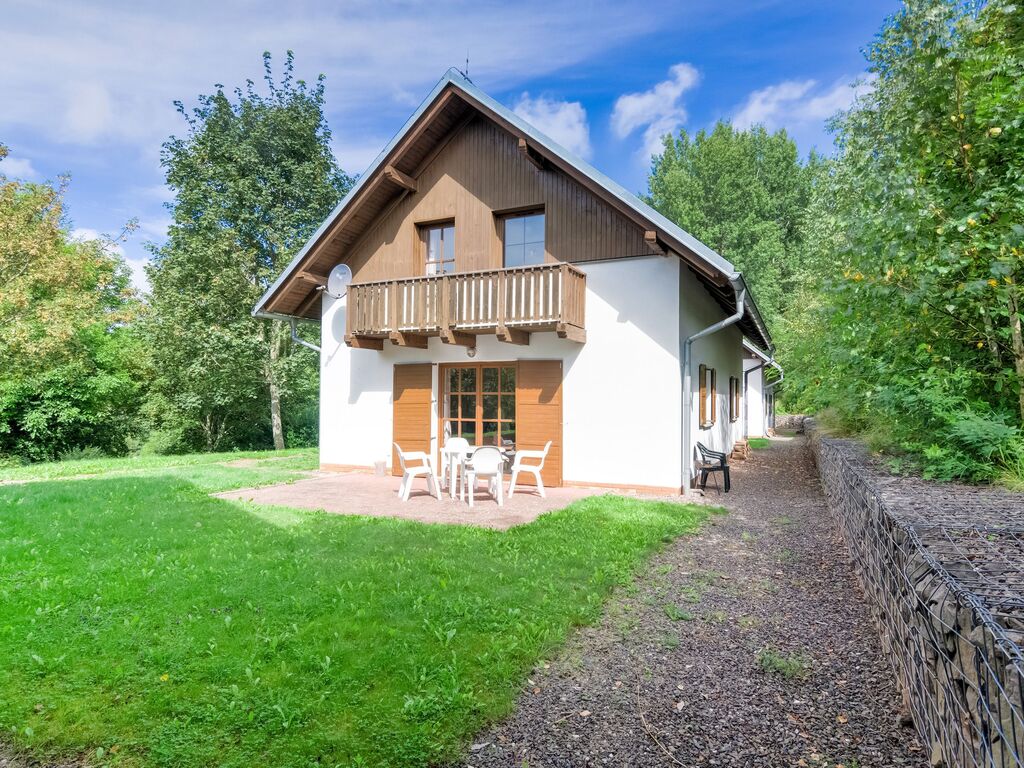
{"x":539,"y":414}
{"x":411,"y":410}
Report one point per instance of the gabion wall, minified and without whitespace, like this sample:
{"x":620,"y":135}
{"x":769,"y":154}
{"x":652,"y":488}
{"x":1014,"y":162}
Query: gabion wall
{"x":943,"y":569}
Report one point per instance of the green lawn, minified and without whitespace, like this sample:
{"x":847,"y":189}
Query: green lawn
{"x":143,"y":622}
{"x":758,"y":443}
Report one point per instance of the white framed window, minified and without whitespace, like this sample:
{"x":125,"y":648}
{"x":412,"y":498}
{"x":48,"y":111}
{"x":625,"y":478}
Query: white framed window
{"x":438,"y":248}
{"x":524,"y":240}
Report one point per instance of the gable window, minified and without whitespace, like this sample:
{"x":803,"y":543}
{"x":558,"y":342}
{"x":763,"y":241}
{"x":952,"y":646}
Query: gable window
{"x":438,"y":248}
{"x":706,"y":376}
{"x":734,"y":398}
{"x":524,"y":240}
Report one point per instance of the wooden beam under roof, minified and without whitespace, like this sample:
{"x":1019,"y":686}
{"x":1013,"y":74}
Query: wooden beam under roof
{"x":309,"y":276}
{"x":651,"y":238}
{"x":401,"y":179}
{"x":531,"y":154}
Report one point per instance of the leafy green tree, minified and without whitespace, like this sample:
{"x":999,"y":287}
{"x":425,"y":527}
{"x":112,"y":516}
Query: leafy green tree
{"x":918,"y":233}
{"x":73,"y":372}
{"x":743,"y":193}
{"x":253,"y":177}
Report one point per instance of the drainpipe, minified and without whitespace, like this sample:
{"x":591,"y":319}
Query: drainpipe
{"x":303,"y":342}
{"x":740,"y":292}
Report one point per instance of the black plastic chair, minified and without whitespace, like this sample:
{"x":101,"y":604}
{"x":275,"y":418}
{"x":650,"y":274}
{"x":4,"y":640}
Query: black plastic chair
{"x":711,"y":462}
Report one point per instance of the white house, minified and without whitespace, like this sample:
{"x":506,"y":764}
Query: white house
{"x":759,"y":393}
{"x":505,"y":290}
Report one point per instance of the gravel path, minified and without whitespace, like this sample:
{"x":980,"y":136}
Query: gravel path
{"x":747,"y":645}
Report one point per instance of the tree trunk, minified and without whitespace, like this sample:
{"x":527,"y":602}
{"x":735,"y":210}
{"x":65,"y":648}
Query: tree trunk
{"x":275,"y":391}
{"x":1017,"y":338}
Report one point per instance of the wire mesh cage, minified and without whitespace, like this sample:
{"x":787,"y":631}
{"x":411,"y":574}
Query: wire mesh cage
{"x":943,"y":571}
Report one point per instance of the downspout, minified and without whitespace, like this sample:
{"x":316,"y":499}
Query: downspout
{"x":740,"y":292}
{"x":303,"y":342}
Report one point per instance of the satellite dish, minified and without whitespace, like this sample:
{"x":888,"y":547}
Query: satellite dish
{"x":338,"y":281}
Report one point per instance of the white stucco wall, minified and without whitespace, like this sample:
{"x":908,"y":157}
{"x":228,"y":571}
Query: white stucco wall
{"x":754,"y":405}
{"x":621,"y":395}
{"x":721,"y":351}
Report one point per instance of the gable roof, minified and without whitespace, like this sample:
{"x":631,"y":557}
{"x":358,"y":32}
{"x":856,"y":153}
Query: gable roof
{"x":452,"y":103}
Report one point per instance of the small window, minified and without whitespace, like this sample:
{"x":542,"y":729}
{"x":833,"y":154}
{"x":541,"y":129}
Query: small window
{"x":707,"y":397}
{"x":524,"y":240}
{"x":438,"y":248}
{"x":734,"y":398}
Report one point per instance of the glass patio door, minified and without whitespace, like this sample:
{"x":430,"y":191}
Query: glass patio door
{"x":479,"y":404}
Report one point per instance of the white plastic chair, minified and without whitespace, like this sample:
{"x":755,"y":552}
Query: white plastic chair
{"x":425,"y":466}
{"x":485,"y":462}
{"x":534,"y":469}
{"x":453,"y":446}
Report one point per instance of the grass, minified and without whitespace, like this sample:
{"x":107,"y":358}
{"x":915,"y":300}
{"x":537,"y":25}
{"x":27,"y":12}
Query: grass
{"x":144,"y":622}
{"x":266,"y":464}
{"x":791,"y":666}
{"x":759,"y":443}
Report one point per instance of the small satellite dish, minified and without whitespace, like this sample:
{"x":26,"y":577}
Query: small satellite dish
{"x":338,"y":281}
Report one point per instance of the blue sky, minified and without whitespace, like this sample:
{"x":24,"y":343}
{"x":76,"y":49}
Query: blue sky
{"x":87,"y":88}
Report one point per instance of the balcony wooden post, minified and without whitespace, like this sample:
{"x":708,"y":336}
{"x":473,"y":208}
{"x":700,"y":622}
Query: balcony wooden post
{"x":442,"y":300}
{"x":392,"y":291}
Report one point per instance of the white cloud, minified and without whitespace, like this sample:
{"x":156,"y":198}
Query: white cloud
{"x":91,"y":74}
{"x":18,"y":168}
{"x":799,"y":106}
{"x":89,"y":114}
{"x":564,"y":121}
{"x":660,"y":109}
{"x":136,"y":265}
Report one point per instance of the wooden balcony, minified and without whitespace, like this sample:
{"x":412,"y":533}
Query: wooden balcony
{"x":509,"y":303}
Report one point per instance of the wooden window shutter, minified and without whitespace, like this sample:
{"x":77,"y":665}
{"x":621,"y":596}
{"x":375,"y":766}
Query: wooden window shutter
{"x":713,"y":405}
{"x":539,"y":415}
{"x":702,"y":375}
{"x":411,"y":410}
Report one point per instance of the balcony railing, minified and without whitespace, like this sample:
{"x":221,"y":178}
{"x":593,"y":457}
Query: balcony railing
{"x":509,"y":302}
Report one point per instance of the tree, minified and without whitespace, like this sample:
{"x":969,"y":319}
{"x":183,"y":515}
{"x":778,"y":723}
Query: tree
{"x":253,"y":177}
{"x":743,"y":193}
{"x":73,"y":371}
{"x":920,"y":226}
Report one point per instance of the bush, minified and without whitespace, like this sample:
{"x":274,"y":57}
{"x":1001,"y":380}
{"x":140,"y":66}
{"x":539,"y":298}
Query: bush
{"x":82,"y":454}
{"x":165,"y":442}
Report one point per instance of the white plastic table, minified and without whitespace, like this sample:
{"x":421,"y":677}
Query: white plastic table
{"x":456,"y":468}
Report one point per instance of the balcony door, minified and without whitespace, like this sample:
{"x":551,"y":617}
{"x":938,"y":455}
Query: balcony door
{"x":479,"y":403}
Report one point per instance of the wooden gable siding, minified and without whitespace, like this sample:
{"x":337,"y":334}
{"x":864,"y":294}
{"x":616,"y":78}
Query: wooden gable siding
{"x":481,"y":171}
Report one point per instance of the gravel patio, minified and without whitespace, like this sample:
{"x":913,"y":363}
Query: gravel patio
{"x":747,"y":645}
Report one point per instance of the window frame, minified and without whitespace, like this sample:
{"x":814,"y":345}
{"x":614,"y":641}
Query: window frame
{"x":735,"y":394}
{"x":708,"y":396}
{"x":522,"y":213}
{"x":424,"y":229}
{"x":505,"y":423}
